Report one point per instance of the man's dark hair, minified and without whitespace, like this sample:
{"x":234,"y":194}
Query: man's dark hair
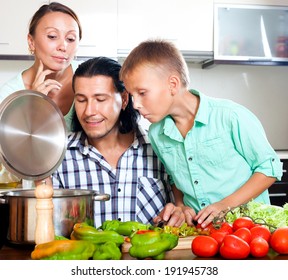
{"x":107,"y":67}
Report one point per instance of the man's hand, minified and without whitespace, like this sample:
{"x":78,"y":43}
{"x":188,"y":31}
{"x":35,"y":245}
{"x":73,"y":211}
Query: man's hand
{"x":171,"y":215}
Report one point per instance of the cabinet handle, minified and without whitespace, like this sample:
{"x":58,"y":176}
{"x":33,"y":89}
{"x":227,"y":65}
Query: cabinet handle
{"x":277,"y":194}
{"x":87,"y":46}
{"x":4,"y":43}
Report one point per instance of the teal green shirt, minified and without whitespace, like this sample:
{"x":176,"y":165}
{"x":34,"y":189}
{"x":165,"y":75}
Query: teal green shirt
{"x":226,"y":145}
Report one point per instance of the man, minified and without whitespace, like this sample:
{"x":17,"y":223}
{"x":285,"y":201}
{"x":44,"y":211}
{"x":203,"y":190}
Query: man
{"x":109,"y":152}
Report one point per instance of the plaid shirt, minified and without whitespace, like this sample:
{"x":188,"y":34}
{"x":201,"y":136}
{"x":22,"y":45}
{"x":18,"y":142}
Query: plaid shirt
{"x":138,"y":187}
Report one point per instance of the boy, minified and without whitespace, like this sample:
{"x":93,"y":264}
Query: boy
{"x":215,"y":150}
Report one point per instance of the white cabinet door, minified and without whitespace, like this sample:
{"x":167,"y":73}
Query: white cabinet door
{"x":113,"y":25}
{"x":253,"y":2}
{"x":15,"y":16}
{"x":188,"y":23}
{"x":99,"y":25}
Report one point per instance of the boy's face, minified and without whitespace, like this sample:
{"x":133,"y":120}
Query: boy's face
{"x":150,"y":90}
{"x":97,"y":106}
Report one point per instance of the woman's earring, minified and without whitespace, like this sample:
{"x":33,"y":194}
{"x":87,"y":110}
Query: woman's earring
{"x":31,"y":51}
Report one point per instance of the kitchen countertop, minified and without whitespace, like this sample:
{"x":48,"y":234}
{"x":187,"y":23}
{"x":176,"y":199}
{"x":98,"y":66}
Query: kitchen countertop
{"x":21,"y":253}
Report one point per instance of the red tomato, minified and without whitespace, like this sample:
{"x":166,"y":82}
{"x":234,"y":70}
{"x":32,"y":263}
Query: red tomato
{"x":241,"y":222}
{"x":198,"y":226}
{"x":204,"y":246}
{"x":279,"y":240}
{"x":259,"y":247}
{"x":224,"y":227}
{"x":218,"y":236}
{"x":243,"y":233}
{"x":260,"y":231}
{"x":234,"y":248}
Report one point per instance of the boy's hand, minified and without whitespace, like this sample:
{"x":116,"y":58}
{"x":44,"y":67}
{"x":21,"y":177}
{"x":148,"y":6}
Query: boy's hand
{"x":207,"y":214}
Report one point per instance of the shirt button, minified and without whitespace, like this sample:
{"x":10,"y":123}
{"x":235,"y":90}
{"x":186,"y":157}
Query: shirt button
{"x":196,"y":182}
{"x":273,"y":159}
{"x":119,"y":190}
{"x":203,"y":204}
{"x":190,"y":158}
{"x":119,"y":219}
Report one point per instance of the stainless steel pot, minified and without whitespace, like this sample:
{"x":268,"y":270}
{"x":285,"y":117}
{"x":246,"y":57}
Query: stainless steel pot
{"x":70,"y":207}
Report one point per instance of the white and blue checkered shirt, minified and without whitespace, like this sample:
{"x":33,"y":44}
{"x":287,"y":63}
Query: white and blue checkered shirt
{"x":138,"y":187}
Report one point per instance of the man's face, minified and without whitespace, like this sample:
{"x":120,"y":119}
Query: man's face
{"x":97,"y":106}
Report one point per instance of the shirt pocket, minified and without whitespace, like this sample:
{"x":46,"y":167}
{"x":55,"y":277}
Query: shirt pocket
{"x":170,"y":158}
{"x":152,"y":196}
{"x":214,"y":151}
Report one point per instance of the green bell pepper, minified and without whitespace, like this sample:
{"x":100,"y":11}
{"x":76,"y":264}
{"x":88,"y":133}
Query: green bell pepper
{"x":152,"y":244}
{"x":124,"y":228}
{"x":107,"y":251}
{"x":82,"y":231}
{"x":64,"y":250}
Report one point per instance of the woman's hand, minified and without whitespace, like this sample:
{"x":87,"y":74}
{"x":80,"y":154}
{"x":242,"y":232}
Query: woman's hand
{"x":42,"y":85}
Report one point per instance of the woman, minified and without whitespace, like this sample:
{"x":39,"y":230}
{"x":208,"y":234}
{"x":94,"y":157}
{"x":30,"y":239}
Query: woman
{"x":53,"y":38}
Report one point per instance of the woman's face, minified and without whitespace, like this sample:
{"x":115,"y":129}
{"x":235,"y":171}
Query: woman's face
{"x":55,"y":41}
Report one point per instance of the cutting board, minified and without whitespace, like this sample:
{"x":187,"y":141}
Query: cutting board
{"x":183,"y":243}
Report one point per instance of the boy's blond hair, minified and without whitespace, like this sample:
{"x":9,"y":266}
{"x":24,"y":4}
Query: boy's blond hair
{"x":157,"y":53}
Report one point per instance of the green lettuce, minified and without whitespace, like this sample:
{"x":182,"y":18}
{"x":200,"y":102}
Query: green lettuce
{"x":271,"y":215}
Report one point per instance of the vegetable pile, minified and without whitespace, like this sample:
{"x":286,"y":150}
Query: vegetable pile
{"x":251,"y":230}
{"x":87,"y":242}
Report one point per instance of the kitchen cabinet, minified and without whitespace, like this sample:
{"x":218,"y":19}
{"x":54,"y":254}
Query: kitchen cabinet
{"x":14,"y":21}
{"x":98,"y":20}
{"x":278,"y":192}
{"x":187,"y":23}
{"x":113,"y":27}
{"x":99,"y":26}
{"x":254,"y":2}
{"x":251,"y":34}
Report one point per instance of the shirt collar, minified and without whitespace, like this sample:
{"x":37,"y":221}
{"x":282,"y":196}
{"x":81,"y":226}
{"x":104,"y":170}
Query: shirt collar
{"x":141,"y":137}
{"x":203,"y":109}
{"x":78,"y":140}
{"x":202,"y":116}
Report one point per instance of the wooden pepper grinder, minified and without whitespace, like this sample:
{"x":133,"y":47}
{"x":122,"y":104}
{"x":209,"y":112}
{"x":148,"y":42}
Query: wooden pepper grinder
{"x":44,"y":231}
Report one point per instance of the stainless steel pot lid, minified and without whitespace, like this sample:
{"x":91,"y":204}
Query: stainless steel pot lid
{"x":32,"y":135}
